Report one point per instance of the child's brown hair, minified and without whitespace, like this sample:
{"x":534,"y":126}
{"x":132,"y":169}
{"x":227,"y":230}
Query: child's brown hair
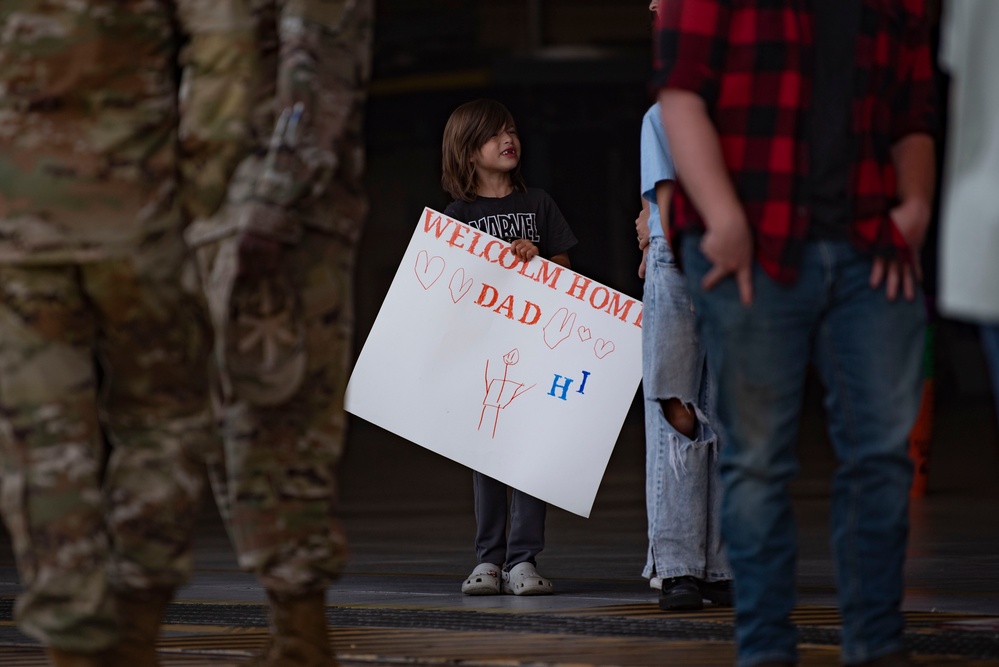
{"x":468,"y":128}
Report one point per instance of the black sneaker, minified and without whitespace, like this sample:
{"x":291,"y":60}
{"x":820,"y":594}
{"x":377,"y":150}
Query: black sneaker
{"x":717,"y":592}
{"x":680,"y":594}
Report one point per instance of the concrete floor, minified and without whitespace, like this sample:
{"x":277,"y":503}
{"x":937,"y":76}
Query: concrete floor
{"x":409,"y":524}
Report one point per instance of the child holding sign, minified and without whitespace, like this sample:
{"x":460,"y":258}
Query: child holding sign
{"x":481,"y":172}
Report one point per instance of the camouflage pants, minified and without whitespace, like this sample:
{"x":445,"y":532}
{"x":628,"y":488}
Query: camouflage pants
{"x":283,"y":437}
{"x":100,"y":359}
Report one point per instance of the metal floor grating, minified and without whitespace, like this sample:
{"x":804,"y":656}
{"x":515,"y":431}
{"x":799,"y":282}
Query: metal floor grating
{"x":431,"y":648}
{"x":217,"y":634}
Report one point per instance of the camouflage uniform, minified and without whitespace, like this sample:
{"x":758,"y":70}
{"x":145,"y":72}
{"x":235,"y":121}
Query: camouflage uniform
{"x":283,"y":336}
{"x":98,"y":342}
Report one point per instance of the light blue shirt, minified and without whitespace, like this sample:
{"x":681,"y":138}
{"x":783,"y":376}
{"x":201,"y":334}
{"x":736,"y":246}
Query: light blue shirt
{"x":657,"y":164}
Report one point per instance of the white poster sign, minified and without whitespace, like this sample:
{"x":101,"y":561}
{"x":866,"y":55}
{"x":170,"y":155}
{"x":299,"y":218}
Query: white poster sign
{"x":522,"y":371}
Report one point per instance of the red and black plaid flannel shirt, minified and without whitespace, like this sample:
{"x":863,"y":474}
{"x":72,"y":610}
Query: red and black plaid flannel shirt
{"x":751,"y":61}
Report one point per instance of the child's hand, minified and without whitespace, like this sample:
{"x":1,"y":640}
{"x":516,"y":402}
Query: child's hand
{"x":524,"y":250}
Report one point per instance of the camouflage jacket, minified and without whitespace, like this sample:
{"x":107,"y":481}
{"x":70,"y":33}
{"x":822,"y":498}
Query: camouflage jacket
{"x":119,"y":120}
{"x":315,"y":66}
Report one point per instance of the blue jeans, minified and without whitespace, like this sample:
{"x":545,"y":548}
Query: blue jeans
{"x":682,"y":487}
{"x":867,"y":352}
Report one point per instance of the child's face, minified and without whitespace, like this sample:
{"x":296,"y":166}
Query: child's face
{"x":500,"y":153}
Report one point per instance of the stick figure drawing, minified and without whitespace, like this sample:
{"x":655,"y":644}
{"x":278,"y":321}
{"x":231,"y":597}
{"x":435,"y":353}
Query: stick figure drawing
{"x":501,"y":391}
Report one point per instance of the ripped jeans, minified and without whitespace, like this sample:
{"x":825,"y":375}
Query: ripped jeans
{"x":682,"y":487}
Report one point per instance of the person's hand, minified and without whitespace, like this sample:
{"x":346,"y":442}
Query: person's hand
{"x":642,"y":231}
{"x":642,"y":228}
{"x":911,"y":218}
{"x":258,"y":255}
{"x":524,"y":250}
{"x":729,"y":248}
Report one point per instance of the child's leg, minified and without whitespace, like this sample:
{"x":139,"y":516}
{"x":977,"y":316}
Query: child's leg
{"x":490,"y":519}
{"x":527,"y":539}
{"x":527,"y":529}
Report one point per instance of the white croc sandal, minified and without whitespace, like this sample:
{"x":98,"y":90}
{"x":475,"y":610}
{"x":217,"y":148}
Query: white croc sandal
{"x":523,"y":579}
{"x":484,"y":580}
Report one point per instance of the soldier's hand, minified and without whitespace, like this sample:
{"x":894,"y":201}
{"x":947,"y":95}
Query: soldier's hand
{"x":291,"y":169}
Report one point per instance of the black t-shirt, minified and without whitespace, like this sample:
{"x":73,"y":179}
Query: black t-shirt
{"x":830,"y":130}
{"x":530,"y":215}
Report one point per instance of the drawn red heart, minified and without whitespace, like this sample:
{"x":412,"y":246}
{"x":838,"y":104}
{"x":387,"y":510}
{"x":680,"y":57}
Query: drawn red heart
{"x":428,"y":269}
{"x":603,"y":347}
{"x":459,"y":286}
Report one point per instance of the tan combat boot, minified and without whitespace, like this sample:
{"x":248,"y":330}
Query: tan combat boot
{"x":141,"y":614}
{"x":298,"y":633}
{"x":60,"y":658}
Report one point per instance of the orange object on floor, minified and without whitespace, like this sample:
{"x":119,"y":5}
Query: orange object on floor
{"x":919,"y":441}
{"x":922,"y":430}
